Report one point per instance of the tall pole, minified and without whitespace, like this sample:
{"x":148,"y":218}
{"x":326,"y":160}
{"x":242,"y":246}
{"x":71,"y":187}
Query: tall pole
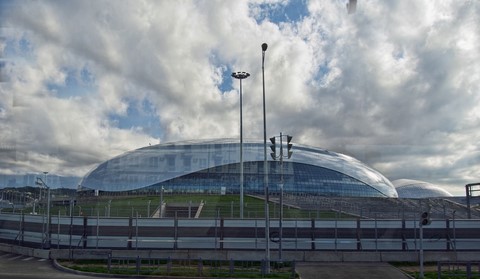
{"x":469,"y":188}
{"x":45,"y":231}
{"x":45,"y":177}
{"x":280,"y":238}
{"x":421,"y":275}
{"x":281,"y":157}
{"x":160,"y":213}
{"x":241,"y":152}
{"x":48,"y":216}
{"x":240,"y":76}
{"x":41,"y":194}
{"x":265,"y":168}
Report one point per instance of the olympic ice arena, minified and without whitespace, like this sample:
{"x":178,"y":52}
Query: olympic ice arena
{"x":213,"y":166}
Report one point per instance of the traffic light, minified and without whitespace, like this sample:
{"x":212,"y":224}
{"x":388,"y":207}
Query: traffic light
{"x":425,"y":219}
{"x":273,"y":148}
{"x":289,"y":146}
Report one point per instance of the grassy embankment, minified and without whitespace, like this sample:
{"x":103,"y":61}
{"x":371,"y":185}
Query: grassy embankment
{"x":226,"y":206}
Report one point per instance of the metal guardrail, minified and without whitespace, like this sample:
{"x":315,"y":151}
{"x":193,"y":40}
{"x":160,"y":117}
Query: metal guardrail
{"x":197,"y":267}
{"x":458,"y":269}
{"x":246,"y":234}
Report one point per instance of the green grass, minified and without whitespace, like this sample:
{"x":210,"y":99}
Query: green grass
{"x":430,"y":271}
{"x":191,"y":268}
{"x":226,"y":206}
{"x":458,"y":274}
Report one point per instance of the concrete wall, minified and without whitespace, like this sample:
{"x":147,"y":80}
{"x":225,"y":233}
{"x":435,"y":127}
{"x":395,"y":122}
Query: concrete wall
{"x":20,"y":250}
{"x":308,"y":256}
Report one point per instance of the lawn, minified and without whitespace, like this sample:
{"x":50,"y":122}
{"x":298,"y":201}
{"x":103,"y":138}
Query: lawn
{"x":182,"y":267}
{"x":225,"y":206}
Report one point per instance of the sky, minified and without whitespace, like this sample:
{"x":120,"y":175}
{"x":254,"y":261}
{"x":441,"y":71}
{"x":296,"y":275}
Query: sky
{"x":395,"y":84}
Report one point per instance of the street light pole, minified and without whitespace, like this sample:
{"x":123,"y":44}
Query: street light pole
{"x":265,"y":168}
{"x":41,"y":194}
{"x":45,"y":176}
{"x":280,"y":237}
{"x":42,"y":183}
{"x":421,"y":275}
{"x":48,"y":216}
{"x":240,"y":76}
{"x":160,"y":209}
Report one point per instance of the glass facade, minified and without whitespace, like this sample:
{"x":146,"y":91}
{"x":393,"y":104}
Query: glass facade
{"x":414,"y":189}
{"x":210,"y":165}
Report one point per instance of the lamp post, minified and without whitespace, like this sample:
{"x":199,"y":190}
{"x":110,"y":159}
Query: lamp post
{"x":42,"y":183}
{"x":148,"y":208}
{"x":240,"y":76}
{"x":160,"y":210}
{"x":45,"y":179}
{"x":45,"y":176}
{"x":424,"y":221}
{"x":265,"y":168}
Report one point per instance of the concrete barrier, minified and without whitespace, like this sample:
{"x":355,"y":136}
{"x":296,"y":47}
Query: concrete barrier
{"x":304,"y":256}
{"x":5,"y":248}
{"x":26,"y":251}
{"x":41,"y":253}
{"x":395,"y":256}
{"x":362,"y":256}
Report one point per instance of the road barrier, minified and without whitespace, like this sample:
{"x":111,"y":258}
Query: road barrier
{"x":237,"y":234}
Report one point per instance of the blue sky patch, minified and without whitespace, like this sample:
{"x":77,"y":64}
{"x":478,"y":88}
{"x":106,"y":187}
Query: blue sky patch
{"x":5,"y":6}
{"x":17,"y":49}
{"x":322,"y":73}
{"x":293,"y":11}
{"x":75,"y":84}
{"x":227,"y":84}
{"x":86,"y":76}
{"x":25,"y":46}
{"x":140,"y":114}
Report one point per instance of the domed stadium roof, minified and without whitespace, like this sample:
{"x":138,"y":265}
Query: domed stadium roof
{"x":408,"y":188}
{"x":208,"y":165}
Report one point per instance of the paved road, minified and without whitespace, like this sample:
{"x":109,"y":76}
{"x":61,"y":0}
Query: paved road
{"x":312,"y":270}
{"x":23,"y":267}
{"x":13,"y":266}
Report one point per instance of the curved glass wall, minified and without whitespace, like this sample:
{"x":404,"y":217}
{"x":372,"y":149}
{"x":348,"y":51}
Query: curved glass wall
{"x":207,"y":166}
{"x":414,"y":189}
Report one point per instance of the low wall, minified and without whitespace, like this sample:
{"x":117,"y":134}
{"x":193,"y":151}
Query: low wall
{"x":304,"y":256}
{"x":26,"y":251}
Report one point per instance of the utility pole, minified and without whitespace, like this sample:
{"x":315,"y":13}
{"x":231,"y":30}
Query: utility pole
{"x":280,"y":157}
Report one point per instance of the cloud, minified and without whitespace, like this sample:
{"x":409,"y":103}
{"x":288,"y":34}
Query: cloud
{"x":395,"y":84}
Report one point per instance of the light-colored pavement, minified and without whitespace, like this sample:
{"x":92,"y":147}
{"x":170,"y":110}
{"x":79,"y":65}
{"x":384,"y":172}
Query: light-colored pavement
{"x":334,"y":270}
{"x":14,"y":266}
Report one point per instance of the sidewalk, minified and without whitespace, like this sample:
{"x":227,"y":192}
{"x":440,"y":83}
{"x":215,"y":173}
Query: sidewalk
{"x":343,"y":270}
